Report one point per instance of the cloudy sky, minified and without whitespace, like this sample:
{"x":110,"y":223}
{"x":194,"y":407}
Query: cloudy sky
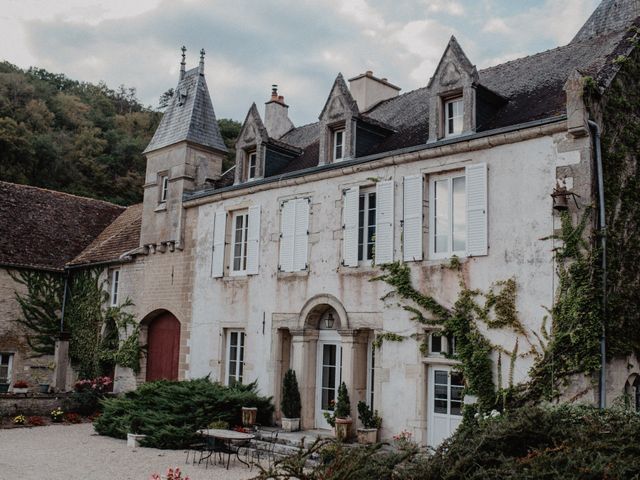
{"x":299,"y":44}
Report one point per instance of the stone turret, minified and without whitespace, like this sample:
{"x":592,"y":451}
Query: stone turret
{"x":185,"y":153}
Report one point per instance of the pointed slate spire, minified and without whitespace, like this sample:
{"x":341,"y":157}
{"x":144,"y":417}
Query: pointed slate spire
{"x":190,"y":116}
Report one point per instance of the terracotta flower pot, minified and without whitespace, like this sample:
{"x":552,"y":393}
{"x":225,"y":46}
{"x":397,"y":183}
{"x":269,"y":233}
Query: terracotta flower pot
{"x":343,"y":429}
{"x":249,"y":415}
{"x":367,"y":436}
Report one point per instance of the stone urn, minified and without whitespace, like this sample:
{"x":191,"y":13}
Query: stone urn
{"x":249,"y":415}
{"x":343,"y":429}
{"x":290,"y":424}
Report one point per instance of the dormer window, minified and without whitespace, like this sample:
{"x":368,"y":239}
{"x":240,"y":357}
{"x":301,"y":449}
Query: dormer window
{"x":252,"y":165}
{"x":453,"y":116}
{"x":164,"y":187}
{"x":338,"y":145}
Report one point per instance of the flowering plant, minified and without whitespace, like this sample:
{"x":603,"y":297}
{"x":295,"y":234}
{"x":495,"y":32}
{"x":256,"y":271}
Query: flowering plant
{"x":21,"y":384}
{"x":97,"y":385}
{"x":241,"y":429}
{"x":19,"y":420}
{"x":72,"y":418}
{"x":57,"y":414}
{"x":36,"y":421}
{"x":403,"y":440}
{"x":171,"y":475}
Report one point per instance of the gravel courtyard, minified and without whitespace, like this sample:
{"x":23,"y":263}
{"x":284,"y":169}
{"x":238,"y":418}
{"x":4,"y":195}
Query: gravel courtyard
{"x":75,"y":452}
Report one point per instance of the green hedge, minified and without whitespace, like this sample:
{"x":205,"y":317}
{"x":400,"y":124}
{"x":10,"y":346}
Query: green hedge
{"x":169,"y":413}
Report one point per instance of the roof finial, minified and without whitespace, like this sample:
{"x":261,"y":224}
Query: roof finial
{"x":183,"y":63}
{"x":202,"y":61}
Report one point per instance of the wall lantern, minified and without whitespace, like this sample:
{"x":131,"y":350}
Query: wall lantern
{"x":561,"y":196}
{"x":328,"y":321}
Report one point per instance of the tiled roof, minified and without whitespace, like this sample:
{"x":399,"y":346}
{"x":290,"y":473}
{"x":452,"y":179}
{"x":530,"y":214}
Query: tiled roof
{"x":610,"y":16}
{"x":189,"y":116}
{"x":122,"y":236}
{"x":533,"y":87}
{"x":44,"y":229}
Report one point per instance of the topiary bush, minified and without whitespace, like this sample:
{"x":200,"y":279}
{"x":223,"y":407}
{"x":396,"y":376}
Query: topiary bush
{"x":169,"y":413}
{"x":290,"y":403}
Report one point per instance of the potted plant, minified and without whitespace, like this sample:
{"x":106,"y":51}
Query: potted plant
{"x":371,"y":423}
{"x":290,"y":403}
{"x":134,"y":436}
{"x":341,"y":418}
{"x":20,"y":387}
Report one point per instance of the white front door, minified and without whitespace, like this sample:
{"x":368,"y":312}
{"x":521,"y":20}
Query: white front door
{"x":329,"y":374}
{"x":445,"y":403}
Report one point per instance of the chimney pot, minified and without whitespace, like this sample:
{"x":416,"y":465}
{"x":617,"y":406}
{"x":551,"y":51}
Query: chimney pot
{"x":369,"y":73}
{"x":280,"y":98}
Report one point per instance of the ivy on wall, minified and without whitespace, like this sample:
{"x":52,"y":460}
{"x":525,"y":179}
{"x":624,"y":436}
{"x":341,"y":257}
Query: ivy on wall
{"x":100,"y":336}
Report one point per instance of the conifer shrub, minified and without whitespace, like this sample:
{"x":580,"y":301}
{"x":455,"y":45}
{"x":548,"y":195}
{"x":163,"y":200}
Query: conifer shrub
{"x":290,"y":403}
{"x":170,"y":413}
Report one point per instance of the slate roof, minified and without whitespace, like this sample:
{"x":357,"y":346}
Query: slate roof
{"x":533,"y":87}
{"x":44,"y":229}
{"x":609,"y":16}
{"x":122,"y":236}
{"x":189,"y":118}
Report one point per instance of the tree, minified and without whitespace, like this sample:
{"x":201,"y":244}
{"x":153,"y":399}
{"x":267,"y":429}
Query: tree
{"x":290,"y":402}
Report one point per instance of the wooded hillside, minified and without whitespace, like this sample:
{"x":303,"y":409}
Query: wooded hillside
{"x":77,"y":137}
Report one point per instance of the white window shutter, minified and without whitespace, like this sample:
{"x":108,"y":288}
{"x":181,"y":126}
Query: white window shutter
{"x":384,"y":222}
{"x":301,"y":240}
{"x":287,"y":231}
{"x":350,"y":227}
{"x":476,"y":186}
{"x":219,"y":225}
{"x":412,"y":218}
{"x":253,"y":240}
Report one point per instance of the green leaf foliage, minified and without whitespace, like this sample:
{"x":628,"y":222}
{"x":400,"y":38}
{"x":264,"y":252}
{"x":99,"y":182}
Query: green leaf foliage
{"x":568,"y":442}
{"x":78,"y":137}
{"x":170,"y":413}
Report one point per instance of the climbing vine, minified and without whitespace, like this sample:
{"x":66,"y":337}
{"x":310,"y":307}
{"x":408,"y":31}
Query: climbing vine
{"x":473,"y":349}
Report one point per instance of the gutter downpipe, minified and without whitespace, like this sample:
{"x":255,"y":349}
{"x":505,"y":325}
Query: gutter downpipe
{"x":602,"y":224}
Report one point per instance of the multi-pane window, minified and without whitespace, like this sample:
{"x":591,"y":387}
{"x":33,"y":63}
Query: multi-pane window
{"x":115,"y":285}
{"x":252,"y":164}
{"x":453,"y":116}
{"x":240,"y":225}
{"x":235,"y":356}
{"x":338,"y":145}
{"x":447,"y":392}
{"x":366,"y":225}
{"x":448,"y":216}
{"x":6,"y":361}
{"x":164,"y":187}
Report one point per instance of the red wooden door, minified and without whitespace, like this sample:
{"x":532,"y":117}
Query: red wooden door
{"x":163,"y":348}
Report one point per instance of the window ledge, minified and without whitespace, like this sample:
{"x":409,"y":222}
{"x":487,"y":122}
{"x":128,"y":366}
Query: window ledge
{"x":433,"y":360}
{"x":367,"y":269}
{"x":240,"y":279}
{"x":292,"y":275}
{"x":161,"y":208}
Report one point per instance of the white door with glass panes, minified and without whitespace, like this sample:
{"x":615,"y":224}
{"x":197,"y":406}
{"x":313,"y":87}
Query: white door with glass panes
{"x":445,"y":403}
{"x":329,"y":375}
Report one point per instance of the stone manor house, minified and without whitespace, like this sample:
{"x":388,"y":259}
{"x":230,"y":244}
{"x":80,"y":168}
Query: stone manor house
{"x":245,"y":273}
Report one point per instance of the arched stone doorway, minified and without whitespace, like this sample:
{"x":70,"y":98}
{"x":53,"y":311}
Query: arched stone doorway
{"x":325,"y":350}
{"x":163,"y":347}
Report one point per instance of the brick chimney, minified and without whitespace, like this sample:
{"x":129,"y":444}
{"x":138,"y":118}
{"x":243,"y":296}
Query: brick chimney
{"x":368,"y":90}
{"x":276,"y":115}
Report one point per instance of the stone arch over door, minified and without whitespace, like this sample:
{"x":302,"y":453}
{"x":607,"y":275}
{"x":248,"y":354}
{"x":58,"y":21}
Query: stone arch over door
{"x":163,"y":346}
{"x":317,"y":306}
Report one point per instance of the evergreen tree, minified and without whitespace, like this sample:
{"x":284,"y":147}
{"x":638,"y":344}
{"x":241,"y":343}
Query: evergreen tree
{"x":290,"y":402}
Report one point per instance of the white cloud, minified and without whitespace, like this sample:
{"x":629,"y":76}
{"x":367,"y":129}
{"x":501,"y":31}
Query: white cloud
{"x":496,"y":25}
{"x":444,"y":6}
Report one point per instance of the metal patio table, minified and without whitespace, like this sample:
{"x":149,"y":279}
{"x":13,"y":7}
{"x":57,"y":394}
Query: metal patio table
{"x":228,"y":437}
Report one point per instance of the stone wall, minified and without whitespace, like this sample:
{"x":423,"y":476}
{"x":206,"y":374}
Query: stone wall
{"x":12,"y":405}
